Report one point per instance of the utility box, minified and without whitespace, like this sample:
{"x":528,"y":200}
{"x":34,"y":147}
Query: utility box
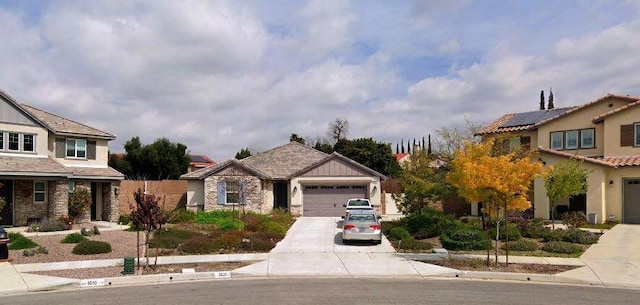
{"x":129,"y":265}
{"x":592,"y":218}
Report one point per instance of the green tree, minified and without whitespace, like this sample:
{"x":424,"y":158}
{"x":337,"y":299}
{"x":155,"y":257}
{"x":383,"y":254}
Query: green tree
{"x":422,"y":181}
{"x":243,"y":153}
{"x":296,"y":138}
{"x":449,"y":140}
{"x":375,"y":155}
{"x":162,"y":159}
{"x":323,"y":146}
{"x":119,"y":163}
{"x":566,"y":178}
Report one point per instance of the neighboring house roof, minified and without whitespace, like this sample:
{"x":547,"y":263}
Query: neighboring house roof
{"x":534,"y":119}
{"x":280,"y":163}
{"x":601,"y":117}
{"x":56,"y":123}
{"x":401,"y":156}
{"x":283,"y":161}
{"x":200,"y":161}
{"x":64,"y":126}
{"x":615,"y":162}
{"x":30,"y":166}
{"x":95,"y":172}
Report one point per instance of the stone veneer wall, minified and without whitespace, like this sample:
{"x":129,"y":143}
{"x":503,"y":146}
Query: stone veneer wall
{"x":23,"y":205}
{"x":110,"y":203}
{"x":86,"y":216}
{"x":58,"y":198}
{"x":255,"y":200}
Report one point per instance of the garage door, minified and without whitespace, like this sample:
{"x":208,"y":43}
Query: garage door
{"x":631,"y":201}
{"x":327,"y":201}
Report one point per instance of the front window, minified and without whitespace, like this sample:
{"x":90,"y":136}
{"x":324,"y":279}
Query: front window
{"x":557,"y":140}
{"x":233,"y":192}
{"x":586,"y":138}
{"x":27,"y":143}
{"x":1,"y":140}
{"x":76,"y":148}
{"x":39,"y":191}
{"x":14,"y":141}
{"x":637,"y":135}
{"x":572,"y":139}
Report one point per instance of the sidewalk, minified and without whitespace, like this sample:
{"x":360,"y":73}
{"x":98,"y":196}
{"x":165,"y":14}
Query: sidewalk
{"x":319,"y":252}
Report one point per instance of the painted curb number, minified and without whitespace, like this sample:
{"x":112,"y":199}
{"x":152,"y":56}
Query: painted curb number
{"x":92,"y":283}
{"x":223,"y":274}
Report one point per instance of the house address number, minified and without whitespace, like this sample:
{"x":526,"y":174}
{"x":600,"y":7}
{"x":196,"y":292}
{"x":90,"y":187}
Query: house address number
{"x":92,"y":283}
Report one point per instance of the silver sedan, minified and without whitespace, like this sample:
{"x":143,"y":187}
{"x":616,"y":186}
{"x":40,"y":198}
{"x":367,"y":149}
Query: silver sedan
{"x":361,"y":225}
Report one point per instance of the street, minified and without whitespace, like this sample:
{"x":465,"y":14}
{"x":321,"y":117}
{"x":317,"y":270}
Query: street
{"x":336,"y":291}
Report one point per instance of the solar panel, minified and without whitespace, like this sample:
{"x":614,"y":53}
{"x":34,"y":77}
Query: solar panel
{"x":533,"y":117}
{"x":198,"y":159}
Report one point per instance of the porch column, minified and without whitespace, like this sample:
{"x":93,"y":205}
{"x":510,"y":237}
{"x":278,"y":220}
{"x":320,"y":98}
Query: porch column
{"x":59,"y":198}
{"x":596,"y":194}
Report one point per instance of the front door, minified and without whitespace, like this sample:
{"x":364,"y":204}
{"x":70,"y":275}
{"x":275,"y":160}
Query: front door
{"x":6,"y":192}
{"x":281,"y":195}
{"x":94,"y":199}
{"x":631,"y":211}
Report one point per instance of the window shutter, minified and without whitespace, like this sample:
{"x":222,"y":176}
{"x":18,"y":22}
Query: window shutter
{"x":626,"y":135}
{"x":222,"y":193}
{"x":243,"y":192}
{"x":91,"y":150}
{"x":61,"y":147}
{"x":525,"y":142}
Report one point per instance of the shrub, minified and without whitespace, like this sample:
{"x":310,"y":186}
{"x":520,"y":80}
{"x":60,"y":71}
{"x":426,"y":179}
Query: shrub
{"x":183,"y":216}
{"x":124,"y":219}
{"x":575,"y":235}
{"x":534,"y":228}
{"x":32,"y":252}
{"x":79,"y":202}
{"x":561,"y":247}
{"x":19,"y":242}
{"x":73,"y":238}
{"x":521,"y":245}
{"x":414,"y":245}
{"x":89,"y":247}
{"x":48,"y":225}
{"x":553,"y":235}
{"x":514,"y":233}
{"x":198,"y":244}
{"x":169,"y":238}
{"x":254,"y":222}
{"x":276,"y":228}
{"x":574,"y":219}
{"x":230,"y":239}
{"x":399,"y":233}
{"x":430,"y":223}
{"x":464,"y":239}
{"x":388,"y":225}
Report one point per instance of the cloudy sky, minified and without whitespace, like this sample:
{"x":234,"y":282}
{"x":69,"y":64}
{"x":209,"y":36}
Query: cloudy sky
{"x":222,"y":75}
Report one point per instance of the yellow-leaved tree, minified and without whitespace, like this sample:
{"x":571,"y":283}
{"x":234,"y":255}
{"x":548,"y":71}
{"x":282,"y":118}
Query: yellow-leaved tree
{"x":499,"y":181}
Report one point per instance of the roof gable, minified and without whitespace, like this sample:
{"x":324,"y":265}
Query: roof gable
{"x":11,"y":112}
{"x":64,"y":126}
{"x":220,"y":167}
{"x":337,"y":165}
{"x":601,"y":117}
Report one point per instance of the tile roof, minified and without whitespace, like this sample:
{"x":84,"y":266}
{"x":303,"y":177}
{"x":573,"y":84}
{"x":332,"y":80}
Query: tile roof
{"x":601,"y":117}
{"x":60,"y":125}
{"x":503,"y":123}
{"x":48,"y":167}
{"x":28,"y":166}
{"x":280,"y":163}
{"x":613,"y":161}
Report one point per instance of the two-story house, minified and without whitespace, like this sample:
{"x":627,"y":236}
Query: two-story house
{"x":604,"y":133}
{"x":44,"y":157}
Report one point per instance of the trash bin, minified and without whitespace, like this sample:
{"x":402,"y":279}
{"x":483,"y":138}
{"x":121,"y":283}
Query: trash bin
{"x":592,"y":218}
{"x":4,"y":240}
{"x":129,"y":265}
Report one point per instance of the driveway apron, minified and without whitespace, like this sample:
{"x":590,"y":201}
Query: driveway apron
{"x":313,"y":246}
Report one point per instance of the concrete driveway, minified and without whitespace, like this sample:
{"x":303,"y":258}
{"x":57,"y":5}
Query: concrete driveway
{"x":313,"y":246}
{"x":614,"y":260}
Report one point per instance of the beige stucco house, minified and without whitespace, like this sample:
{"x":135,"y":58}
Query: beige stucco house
{"x":296,"y":177}
{"x":605,"y":133}
{"x":43,"y":157}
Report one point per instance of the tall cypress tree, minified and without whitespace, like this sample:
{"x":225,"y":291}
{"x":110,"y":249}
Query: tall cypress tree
{"x":429,"y":147}
{"x":551,"y":105}
{"x":402,"y":146}
{"x":397,"y":148}
{"x":541,"y":99}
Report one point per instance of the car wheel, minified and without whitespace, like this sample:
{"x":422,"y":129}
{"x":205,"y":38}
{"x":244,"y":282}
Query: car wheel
{"x":378,"y":242}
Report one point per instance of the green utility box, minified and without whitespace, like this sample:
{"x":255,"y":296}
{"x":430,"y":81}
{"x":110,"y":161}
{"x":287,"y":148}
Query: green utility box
{"x":129,"y":265}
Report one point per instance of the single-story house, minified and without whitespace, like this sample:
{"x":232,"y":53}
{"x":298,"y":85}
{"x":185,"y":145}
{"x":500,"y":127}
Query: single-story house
{"x":295,"y":177}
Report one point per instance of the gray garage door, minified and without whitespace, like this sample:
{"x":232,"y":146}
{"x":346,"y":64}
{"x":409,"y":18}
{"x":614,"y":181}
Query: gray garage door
{"x":631,"y":201}
{"x":327,"y":201}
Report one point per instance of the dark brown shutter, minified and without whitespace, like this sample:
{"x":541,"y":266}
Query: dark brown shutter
{"x":61,"y":148}
{"x":525,"y":142}
{"x":91,"y":150}
{"x":626,"y":135}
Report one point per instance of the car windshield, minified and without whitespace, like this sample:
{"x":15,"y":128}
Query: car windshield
{"x":361,"y":217}
{"x":358,"y":203}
